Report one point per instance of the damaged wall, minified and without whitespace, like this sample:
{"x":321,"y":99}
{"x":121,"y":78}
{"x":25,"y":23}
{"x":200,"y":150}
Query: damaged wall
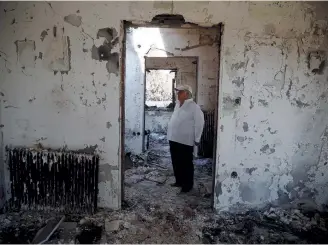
{"x":54,"y":94}
{"x":272,"y":144}
{"x":178,"y":46}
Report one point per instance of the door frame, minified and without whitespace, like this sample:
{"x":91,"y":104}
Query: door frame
{"x":124,"y":25}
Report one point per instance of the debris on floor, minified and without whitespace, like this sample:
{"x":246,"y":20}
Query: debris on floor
{"x":269,"y":225}
{"x":155,"y":212}
{"x":45,"y":232}
{"x":22,"y":227}
{"x":89,"y":233}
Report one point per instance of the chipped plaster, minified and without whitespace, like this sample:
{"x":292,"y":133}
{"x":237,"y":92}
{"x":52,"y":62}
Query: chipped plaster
{"x":267,"y":44}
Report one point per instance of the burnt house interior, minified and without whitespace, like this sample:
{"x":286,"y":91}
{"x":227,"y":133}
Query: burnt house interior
{"x":87,"y":90}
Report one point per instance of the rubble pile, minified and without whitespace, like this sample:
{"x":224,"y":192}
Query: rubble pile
{"x":150,"y":221}
{"x":269,"y":225}
{"x":156,"y":139}
{"x":21,"y":227}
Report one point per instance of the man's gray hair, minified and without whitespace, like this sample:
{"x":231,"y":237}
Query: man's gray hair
{"x":189,"y":94}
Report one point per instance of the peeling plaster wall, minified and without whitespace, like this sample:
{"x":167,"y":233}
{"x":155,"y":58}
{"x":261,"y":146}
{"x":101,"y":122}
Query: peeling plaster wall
{"x":272,"y":146}
{"x":45,"y":105}
{"x":173,"y":44}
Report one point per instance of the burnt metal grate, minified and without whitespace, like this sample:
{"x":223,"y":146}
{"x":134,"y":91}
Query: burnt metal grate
{"x":206,"y":146}
{"x":63,"y":181}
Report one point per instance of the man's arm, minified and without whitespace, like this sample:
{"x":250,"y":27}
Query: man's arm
{"x":199,"y":124}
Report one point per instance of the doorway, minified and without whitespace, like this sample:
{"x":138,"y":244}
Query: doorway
{"x":181,"y":70}
{"x":156,"y":59}
{"x":159,"y":103}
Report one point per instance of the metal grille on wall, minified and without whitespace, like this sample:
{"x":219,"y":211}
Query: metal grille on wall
{"x":62,"y":181}
{"x":205,"y":148}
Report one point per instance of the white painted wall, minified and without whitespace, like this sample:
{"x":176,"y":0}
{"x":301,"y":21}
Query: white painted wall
{"x":78,"y":109}
{"x":283,"y":111}
{"x":274,"y":139}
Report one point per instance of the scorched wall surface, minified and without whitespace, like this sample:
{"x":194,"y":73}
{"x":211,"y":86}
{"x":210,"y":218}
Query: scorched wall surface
{"x":272,"y":146}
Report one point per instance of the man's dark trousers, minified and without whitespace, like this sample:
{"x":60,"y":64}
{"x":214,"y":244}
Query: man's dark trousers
{"x":183,"y":167}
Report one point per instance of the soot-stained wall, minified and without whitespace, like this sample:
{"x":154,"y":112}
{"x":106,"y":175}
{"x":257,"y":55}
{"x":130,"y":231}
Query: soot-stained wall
{"x":55,"y":91}
{"x":60,"y":87}
{"x":272,"y":146}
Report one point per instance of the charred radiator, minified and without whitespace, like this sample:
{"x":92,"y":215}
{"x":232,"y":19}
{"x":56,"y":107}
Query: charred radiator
{"x":53,"y":180}
{"x":205,"y":148}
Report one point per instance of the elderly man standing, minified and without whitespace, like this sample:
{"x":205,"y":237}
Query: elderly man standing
{"x":184,"y":131}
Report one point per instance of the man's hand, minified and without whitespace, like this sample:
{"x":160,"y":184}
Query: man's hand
{"x":196,"y":143}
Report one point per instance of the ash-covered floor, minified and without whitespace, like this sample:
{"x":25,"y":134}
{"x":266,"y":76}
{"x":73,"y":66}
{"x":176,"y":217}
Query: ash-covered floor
{"x":155,"y":212}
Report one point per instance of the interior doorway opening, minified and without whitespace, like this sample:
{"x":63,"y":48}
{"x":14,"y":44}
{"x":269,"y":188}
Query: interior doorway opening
{"x":157,"y":59}
{"x":159,"y":100}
